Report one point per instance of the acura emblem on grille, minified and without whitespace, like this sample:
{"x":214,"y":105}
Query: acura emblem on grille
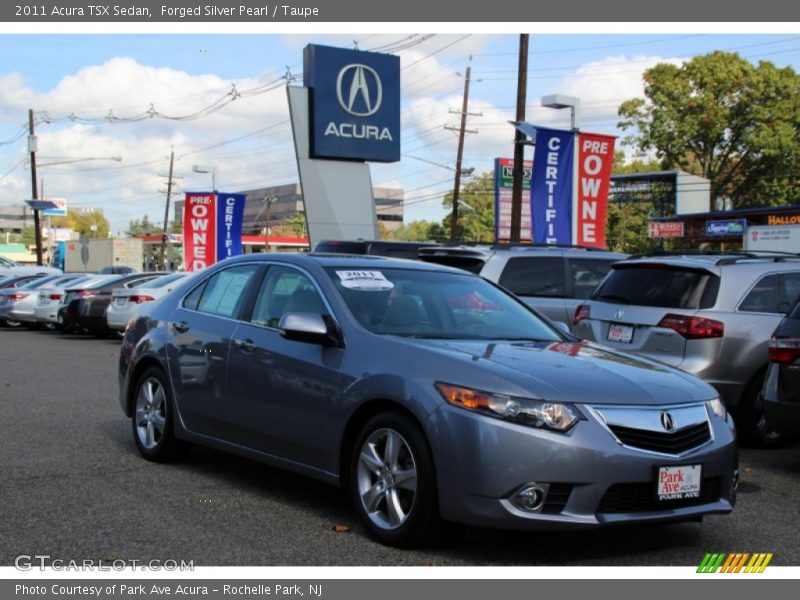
{"x":667,"y":422}
{"x":619,"y":313}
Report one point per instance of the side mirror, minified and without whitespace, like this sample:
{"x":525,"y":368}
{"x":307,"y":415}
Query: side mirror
{"x":310,"y":328}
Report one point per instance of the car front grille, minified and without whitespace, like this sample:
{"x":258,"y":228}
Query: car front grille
{"x":556,"y":499}
{"x":641,"y":497}
{"x":675,"y":442}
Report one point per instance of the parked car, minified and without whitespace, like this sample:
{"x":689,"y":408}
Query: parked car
{"x":11,"y":282}
{"x":10,"y":267}
{"x":388,"y":248}
{"x":117,"y":270}
{"x":125,"y":301}
{"x":711,"y":315}
{"x":553,"y":279}
{"x":18,"y":305}
{"x":84,"y":308}
{"x":49,"y":299}
{"x":782,"y":384}
{"x":376,"y":375}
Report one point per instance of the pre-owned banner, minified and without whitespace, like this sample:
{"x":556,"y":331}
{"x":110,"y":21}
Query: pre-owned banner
{"x":590,"y":201}
{"x":551,"y":189}
{"x":212,"y":228}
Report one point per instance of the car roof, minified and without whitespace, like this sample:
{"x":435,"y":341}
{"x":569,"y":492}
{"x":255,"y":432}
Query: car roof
{"x":715,"y":261}
{"x":347,"y":261}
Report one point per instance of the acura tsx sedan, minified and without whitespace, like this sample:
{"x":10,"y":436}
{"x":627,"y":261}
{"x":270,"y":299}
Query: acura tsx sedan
{"x":428,"y":392}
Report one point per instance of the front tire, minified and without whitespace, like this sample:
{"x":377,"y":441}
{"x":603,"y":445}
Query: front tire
{"x":152,"y":421}
{"x":393,"y":482}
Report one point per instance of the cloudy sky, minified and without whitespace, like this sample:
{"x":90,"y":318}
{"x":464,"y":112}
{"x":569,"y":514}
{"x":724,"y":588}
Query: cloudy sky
{"x":219,"y":100}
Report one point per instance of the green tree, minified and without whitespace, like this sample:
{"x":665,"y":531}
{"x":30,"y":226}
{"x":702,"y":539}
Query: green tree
{"x":294,"y":226}
{"x":28,"y":235}
{"x":723,"y":118}
{"x":142,"y":227}
{"x":476,"y":210}
{"x":91,"y":224}
{"x":419,"y":231}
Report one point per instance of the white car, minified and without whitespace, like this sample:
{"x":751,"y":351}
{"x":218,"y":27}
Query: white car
{"x":124,"y":302}
{"x":9,"y":267}
{"x":18,"y":305}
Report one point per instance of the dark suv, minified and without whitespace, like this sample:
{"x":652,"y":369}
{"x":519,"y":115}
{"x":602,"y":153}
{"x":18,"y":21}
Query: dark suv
{"x":389,"y":248}
{"x":782,"y":385}
{"x":552,"y":279}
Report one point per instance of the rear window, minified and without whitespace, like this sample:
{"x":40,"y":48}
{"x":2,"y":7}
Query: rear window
{"x":664,"y":286}
{"x":534,"y":276}
{"x":465,"y":263}
{"x":337,"y":247}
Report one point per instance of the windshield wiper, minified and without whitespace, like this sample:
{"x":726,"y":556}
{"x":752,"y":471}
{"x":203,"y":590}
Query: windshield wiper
{"x":614,"y":297}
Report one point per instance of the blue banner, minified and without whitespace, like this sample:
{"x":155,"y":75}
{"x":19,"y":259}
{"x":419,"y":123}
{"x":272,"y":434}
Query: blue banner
{"x":354,"y":101}
{"x":230,"y":215}
{"x":551,"y":189}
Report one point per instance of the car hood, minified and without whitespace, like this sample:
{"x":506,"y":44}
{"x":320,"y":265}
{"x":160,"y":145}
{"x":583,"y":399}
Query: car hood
{"x":579,"y":372}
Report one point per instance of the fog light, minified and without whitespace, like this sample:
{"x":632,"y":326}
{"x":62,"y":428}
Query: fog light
{"x":531,"y":496}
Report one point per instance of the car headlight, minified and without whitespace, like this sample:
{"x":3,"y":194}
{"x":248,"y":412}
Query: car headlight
{"x":717,"y":407}
{"x":525,"y":411}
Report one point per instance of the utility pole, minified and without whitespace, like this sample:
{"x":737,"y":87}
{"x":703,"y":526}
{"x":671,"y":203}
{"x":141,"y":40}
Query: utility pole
{"x":519,"y":141}
{"x":34,"y":191}
{"x":460,"y":152}
{"x":166,"y":211}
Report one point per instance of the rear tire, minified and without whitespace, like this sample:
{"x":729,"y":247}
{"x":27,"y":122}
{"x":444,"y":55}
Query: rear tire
{"x":392,"y":480}
{"x":751,"y":422}
{"x":152,"y":421}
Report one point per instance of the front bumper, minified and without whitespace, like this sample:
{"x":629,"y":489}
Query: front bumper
{"x":594,"y":481}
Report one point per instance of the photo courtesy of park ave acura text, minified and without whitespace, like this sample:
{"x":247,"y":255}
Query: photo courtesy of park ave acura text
{"x":381,"y":299}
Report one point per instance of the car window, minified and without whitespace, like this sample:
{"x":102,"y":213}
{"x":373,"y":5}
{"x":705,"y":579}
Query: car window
{"x":763,"y":297}
{"x":661,"y":285}
{"x":789,"y":291}
{"x":282,"y":291}
{"x":534,"y":276}
{"x":587,"y":274}
{"x":192,"y":299}
{"x":224,"y":291}
{"x":135,"y":283}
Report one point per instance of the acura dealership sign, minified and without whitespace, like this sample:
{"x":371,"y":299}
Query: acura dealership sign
{"x":354,"y":103}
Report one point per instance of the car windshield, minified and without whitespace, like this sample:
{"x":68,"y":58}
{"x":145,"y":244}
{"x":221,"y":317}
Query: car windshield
{"x":659,"y":285}
{"x":436,"y":305}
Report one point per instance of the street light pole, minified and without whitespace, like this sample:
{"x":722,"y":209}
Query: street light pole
{"x":34,"y":190}
{"x":268,"y":200}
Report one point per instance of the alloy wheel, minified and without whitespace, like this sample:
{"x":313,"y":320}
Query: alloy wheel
{"x":151,"y":413}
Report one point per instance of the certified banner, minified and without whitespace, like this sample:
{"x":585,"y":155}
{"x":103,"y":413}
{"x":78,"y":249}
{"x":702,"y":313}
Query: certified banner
{"x":230,"y":214}
{"x":212,"y":228}
{"x":551,"y":189}
{"x":590,"y":201}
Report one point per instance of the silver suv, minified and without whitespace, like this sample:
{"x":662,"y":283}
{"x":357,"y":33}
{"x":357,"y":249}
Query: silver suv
{"x":550,"y":278}
{"x":709,"y":314}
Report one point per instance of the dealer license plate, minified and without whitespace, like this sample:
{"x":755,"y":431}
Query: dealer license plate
{"x":679,"y":482}
{"x":620,"y":333}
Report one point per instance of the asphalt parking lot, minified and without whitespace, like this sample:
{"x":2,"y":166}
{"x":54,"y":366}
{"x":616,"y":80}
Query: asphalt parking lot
{"x":73,"y":486}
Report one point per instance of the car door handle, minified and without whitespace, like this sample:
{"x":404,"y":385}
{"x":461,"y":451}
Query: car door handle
{"x":180,"y":326}
{"x":247,"y":345}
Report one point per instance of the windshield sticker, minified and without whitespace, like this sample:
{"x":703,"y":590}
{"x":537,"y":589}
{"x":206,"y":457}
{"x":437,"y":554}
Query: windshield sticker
{"x":365,"y":281}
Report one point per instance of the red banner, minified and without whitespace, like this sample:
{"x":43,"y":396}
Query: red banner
{"x":590,"y":208}
{"x":199,"y":231}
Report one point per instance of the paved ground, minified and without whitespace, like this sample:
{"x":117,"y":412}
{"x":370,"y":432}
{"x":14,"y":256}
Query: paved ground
{"x":73,"y":486}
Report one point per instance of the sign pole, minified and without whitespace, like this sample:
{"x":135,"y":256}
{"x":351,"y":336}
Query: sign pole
{"x":34,"y":190}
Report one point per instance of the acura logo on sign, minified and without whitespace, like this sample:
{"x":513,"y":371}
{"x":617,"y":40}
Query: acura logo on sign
{"x":359,"y":90}
{"x":667,"y":422}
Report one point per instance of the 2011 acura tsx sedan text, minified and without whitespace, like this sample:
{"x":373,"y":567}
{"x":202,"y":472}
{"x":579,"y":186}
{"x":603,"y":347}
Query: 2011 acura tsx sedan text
{"x":428,"y":392}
